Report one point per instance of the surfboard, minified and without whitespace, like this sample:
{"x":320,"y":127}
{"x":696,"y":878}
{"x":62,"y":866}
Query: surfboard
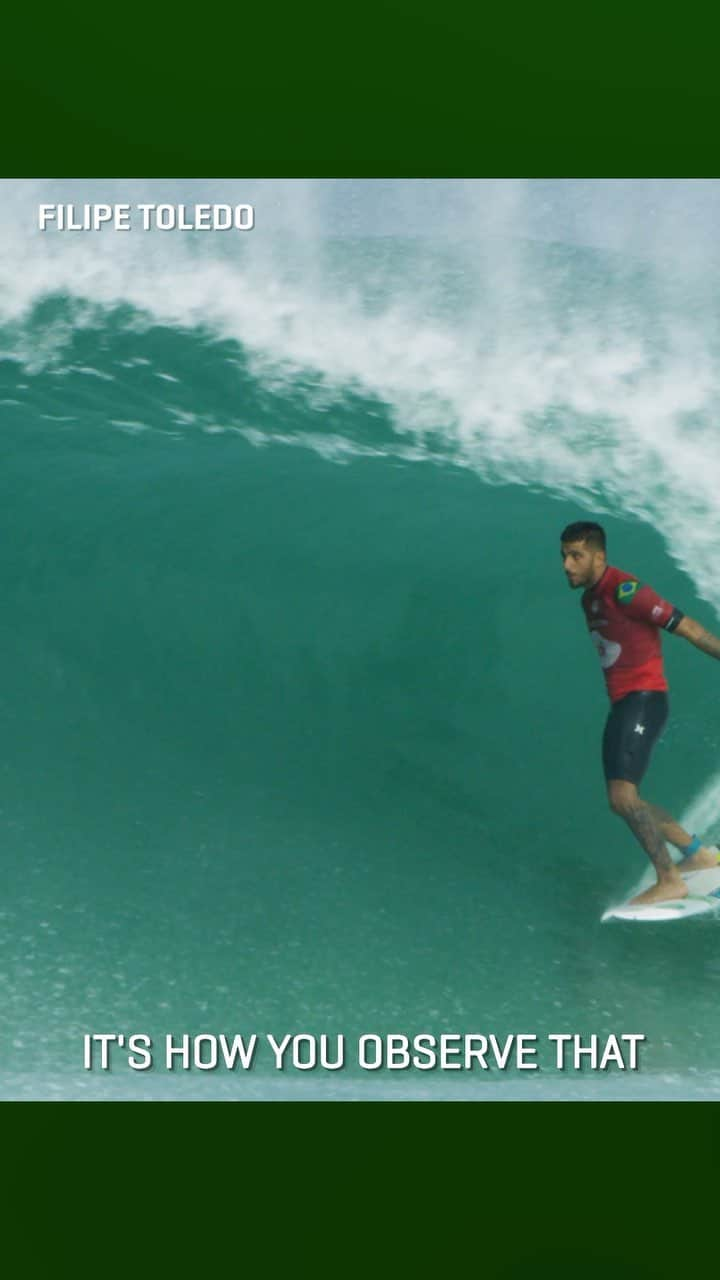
{"x":703,"y":898}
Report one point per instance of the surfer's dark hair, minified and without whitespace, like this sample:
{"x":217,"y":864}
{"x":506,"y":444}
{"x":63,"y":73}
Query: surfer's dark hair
{"x":585,"y":531}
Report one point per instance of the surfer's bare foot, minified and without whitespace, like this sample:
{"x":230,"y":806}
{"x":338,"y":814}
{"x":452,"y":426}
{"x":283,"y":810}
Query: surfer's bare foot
{"x":703,"y":858}
{"x":667,"y":889}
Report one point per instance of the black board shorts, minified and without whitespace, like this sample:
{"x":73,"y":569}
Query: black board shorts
{"x":632,"y":729}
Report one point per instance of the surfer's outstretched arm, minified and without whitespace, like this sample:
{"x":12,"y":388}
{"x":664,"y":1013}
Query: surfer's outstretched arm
{"x":698,"y":636}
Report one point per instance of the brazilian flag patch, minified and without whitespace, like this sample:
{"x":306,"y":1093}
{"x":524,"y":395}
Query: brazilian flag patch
{"x":625,"y":591}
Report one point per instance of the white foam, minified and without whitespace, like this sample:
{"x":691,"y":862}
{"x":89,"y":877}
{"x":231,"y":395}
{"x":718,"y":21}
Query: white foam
{"x":605,"y":389}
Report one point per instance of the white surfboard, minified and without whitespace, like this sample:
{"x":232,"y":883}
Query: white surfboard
{"x":703,"y":897}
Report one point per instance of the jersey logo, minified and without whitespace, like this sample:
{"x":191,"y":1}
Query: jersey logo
{"x":625,"y":592}
{"x":608,"y":650}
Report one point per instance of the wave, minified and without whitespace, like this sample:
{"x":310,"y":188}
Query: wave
{"x":576,"y":370}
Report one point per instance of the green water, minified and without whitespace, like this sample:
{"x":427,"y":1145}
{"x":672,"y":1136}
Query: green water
{"x":304,"y":737}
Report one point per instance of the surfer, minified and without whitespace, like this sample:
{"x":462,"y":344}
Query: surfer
{"x":624,"y":617}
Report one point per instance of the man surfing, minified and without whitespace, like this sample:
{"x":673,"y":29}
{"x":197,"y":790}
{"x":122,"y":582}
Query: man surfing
{"x":624,"y":618}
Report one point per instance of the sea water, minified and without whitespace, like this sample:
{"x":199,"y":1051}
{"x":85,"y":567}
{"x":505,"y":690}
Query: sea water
{"x":300,"y":722}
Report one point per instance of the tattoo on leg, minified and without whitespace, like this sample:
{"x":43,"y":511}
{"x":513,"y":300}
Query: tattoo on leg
{"x":640,"y":820}
{"x":670,"y":828}
{"x":660,"y":814}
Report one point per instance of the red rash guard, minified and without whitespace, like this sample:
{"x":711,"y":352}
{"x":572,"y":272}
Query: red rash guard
{"x":624,"y":618}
